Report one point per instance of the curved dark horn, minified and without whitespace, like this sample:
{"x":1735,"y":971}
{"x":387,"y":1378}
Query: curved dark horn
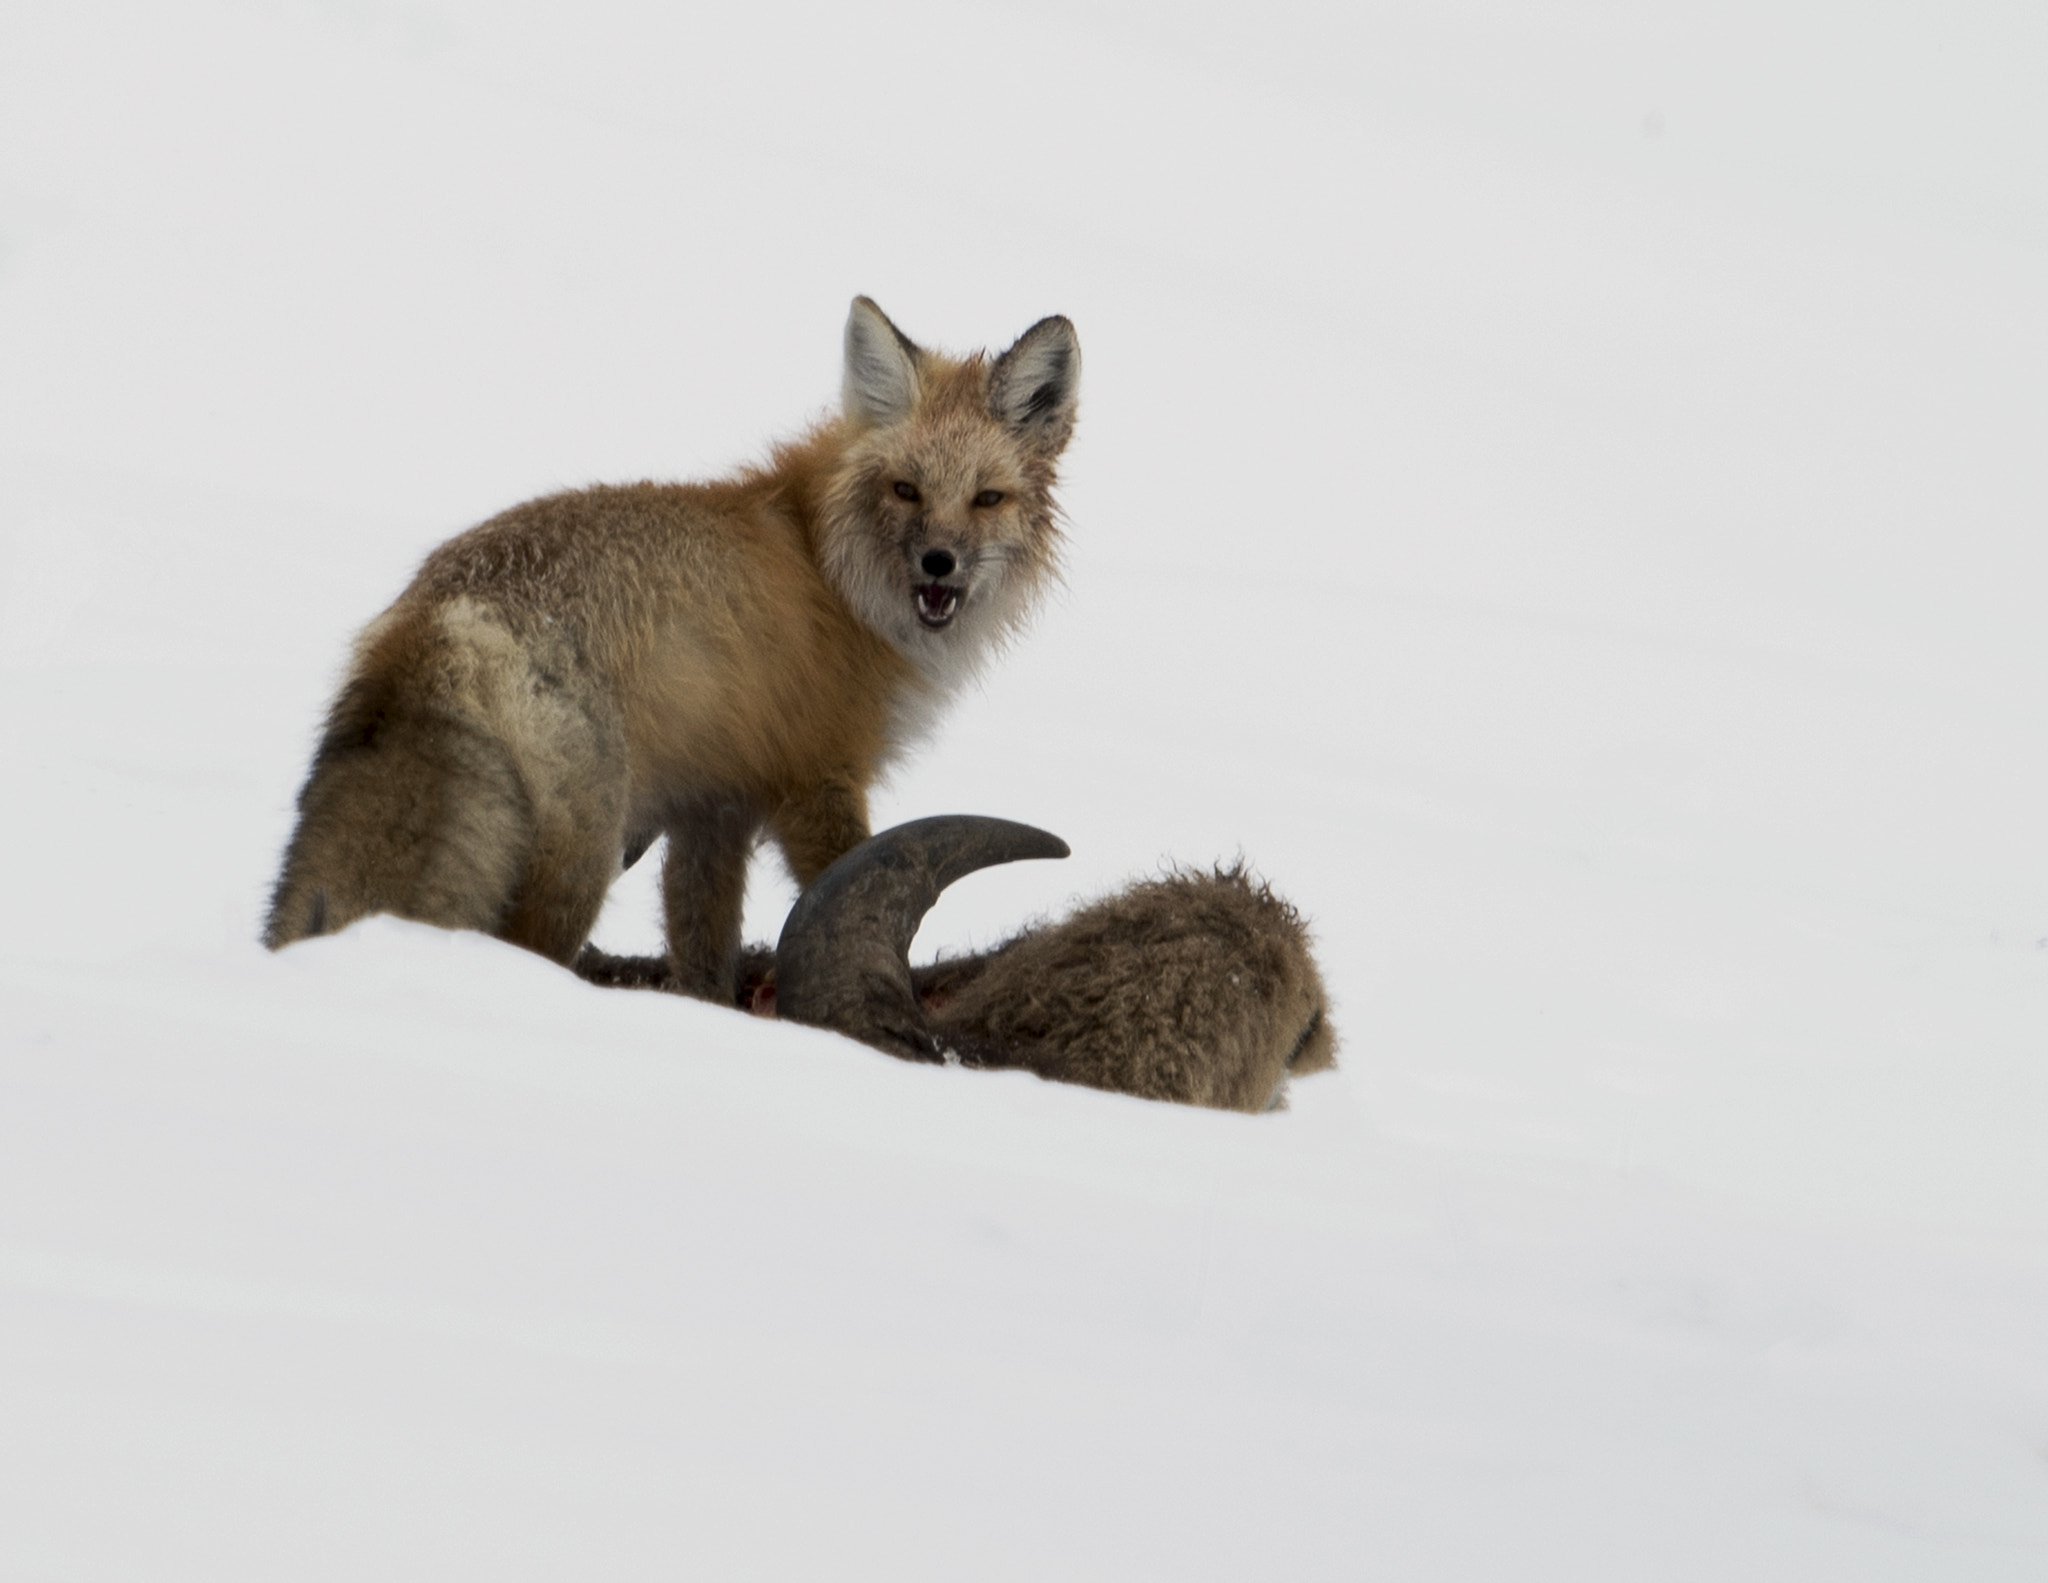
{"x":843,"y":961}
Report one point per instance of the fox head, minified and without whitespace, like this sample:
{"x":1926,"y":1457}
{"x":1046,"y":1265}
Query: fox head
{"x":940,"y":527}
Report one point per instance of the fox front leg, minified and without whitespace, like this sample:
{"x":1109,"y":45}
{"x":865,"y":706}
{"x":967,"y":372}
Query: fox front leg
{"x":819,"y":825}
{"x":703,"y":892}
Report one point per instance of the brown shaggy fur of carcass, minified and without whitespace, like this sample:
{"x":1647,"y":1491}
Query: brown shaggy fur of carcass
{"x":1196,"y":987}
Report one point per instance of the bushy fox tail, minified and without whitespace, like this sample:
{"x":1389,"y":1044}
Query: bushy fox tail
{"x":408,"y":810}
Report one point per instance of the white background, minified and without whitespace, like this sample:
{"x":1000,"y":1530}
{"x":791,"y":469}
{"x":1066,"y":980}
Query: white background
{"x":1559,"y":488}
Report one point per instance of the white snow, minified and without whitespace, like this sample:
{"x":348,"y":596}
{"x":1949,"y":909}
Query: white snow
{"x":1559,"y":488}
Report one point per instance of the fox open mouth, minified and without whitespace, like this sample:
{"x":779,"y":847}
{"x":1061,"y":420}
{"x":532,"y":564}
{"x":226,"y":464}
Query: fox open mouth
{"x":937,"y":604}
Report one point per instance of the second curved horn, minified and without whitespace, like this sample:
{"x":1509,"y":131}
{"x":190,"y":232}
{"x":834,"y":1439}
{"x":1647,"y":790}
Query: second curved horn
{"x":843,"y":961}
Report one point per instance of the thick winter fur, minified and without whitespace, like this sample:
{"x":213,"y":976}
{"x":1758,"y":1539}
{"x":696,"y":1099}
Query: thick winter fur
{"x":705,"y":661}
{"x":1199,"y":988}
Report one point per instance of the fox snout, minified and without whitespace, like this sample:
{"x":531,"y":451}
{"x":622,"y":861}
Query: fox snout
{"x":940,"y":579}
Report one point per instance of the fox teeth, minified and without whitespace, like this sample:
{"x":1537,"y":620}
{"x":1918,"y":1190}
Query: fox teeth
{"x":936,"y":604}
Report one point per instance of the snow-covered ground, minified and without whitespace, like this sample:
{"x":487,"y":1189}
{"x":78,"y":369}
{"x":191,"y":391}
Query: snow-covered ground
{"x":1559,"y":488}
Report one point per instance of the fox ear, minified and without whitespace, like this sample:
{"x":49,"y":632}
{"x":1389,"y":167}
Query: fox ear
{"x":1036,"y":385}
{"x":880,"y":383}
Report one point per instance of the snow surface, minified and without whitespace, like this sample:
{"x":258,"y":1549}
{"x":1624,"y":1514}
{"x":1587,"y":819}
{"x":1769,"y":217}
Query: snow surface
{"x":1560,"y":488}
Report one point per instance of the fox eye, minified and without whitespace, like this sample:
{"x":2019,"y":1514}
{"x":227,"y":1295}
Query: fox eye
{"x":989,"y":497}
{"x":906,"y":491}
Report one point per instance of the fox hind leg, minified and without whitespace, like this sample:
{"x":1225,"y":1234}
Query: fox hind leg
{"x":556,"y":904}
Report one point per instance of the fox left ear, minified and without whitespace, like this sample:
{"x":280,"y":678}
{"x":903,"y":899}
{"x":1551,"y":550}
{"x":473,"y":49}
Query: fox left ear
{"x":880,"y":384}
{"x":1036,"y":385}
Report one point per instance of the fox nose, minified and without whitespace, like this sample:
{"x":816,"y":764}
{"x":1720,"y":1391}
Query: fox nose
{"x":937,"y":563}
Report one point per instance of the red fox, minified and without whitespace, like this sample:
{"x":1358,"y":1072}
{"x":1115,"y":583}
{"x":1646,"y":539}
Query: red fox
{"x":590,"y":670}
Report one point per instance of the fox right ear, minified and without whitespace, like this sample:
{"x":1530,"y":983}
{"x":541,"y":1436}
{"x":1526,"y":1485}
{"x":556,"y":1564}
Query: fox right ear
{"x":880,"y":383}
{"x":1035,"y":385}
